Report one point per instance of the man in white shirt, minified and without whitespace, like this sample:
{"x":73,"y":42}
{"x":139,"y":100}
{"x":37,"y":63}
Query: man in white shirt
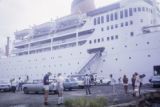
{"x":87,"y":84}
{"x":60,"y":81}
{"x":113,"y":81}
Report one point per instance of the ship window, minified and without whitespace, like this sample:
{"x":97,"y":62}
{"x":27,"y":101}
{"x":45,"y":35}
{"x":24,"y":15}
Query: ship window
{"x":98,"y":40}
{"x":102,"y":29}
{"x":116,"y":16}
{"x":95,"y":41}
{"x":147,"y":9}
{"x":121,"y":14}
{"x":116,"y":26}
{"x":98,"y":20}
{"x":121,"y":24}
{"x":111,"y":26}
{"x":126,"y":23}
{"x":149,"y":55}
{"x":112,"y":37}
{"x":131,"y":22}
{"x":107,"y":27}
{"x":107,"y":18}
{"x":126,"y":13}
{"x":132,"y":33}
{"x":130,"y":12}
{"x":143,"y":9}
{"x":147,"y":43}
{"x":116,"y":36}
{"x":107,"y":38}
{"x":102,"y":19}
{"x":139,"y":9}
{"x":135,"y":9}
{"x":80,"y":43}
{"x":111,"y":17}
{"x":130,"y":57}
{"x":90,"y":42}
{"x":102,"y":39}
{"x":95,"y":22}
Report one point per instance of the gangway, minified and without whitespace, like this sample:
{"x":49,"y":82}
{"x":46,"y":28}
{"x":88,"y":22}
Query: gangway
{"x":98,"y":54}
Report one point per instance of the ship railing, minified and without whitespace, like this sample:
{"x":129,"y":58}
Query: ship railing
{"x":150,"y":29}
{"x":21,"y":42}
{"x":41,"y":46}
{"x":64,"y":41}
{"x":98,"y":53}
{"x":19,"y":50}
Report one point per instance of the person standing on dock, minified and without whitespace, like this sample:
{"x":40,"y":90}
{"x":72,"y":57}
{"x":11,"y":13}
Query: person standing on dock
{"x":113,"y":81}
{"x":60,"y":87}
{"x":87,"y":82}
{"x":46,"y":87}
{"x":125,"y":83}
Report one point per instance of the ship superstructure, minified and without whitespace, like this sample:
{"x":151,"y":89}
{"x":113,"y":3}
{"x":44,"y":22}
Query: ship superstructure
{"x":117,"y":39}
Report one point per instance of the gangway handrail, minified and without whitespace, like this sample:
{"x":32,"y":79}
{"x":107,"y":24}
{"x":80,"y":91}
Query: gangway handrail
{"x":97,"y":54}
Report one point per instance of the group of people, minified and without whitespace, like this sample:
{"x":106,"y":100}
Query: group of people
{"x":16,"y":85}
{"x":136,"y":81}
{"x":60,"y":88}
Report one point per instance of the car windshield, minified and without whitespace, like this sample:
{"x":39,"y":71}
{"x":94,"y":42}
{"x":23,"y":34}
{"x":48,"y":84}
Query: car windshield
{"x":37,"y":81}
{"x":3,"y":82}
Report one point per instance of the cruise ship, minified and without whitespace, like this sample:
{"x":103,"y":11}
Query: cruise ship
{"x":119,"y":39}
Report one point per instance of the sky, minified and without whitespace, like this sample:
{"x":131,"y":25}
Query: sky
{"x":21,"y":14}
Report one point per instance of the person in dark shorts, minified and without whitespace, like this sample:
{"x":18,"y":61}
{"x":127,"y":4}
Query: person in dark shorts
{"x":133,"y":79}
{"x":46,"y":87}
{"x":125,"y":83}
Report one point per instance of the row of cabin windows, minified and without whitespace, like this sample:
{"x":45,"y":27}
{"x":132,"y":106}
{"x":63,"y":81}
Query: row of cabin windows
{"x":103,"y":39}
{"x":123,"y":13}
{"x":69,"y":64}
{"x":116,"y":25}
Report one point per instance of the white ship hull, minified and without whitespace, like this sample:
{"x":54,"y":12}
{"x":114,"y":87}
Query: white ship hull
{"x":127,"y":51}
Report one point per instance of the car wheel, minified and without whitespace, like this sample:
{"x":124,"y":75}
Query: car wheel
{"x":70,"y":89}
{"x":25,"y":90}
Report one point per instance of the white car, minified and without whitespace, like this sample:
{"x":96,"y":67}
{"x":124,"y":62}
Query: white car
{"x":102,"y":80}
{"x":155,"y":80}
{"x":80,"y":82}
{"x":37,"y":87}
{"x":5,"y":85}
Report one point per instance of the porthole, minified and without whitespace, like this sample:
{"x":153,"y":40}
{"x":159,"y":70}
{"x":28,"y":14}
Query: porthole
{"x":130,"y":57}
{"x":148,"y":43}
{"x":104,"y":60}
{"x":116,"y":59}
{"x":125,"y":46}
{"x":149,"y":56}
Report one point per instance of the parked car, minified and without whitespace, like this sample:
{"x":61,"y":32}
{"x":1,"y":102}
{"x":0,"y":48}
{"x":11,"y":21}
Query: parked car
{"x":70,"y":84}
{"x":102,"y":80}
{"x":80,"y":82}
{"x":155,"y":80}
{"x":5,"y":85}
{"x":37,"y":87}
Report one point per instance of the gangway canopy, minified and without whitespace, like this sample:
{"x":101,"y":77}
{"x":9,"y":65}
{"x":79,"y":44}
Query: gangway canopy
{"x":95,"y":50}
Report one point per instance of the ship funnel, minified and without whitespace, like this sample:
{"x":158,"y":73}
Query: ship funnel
{"x":82,"y":6}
